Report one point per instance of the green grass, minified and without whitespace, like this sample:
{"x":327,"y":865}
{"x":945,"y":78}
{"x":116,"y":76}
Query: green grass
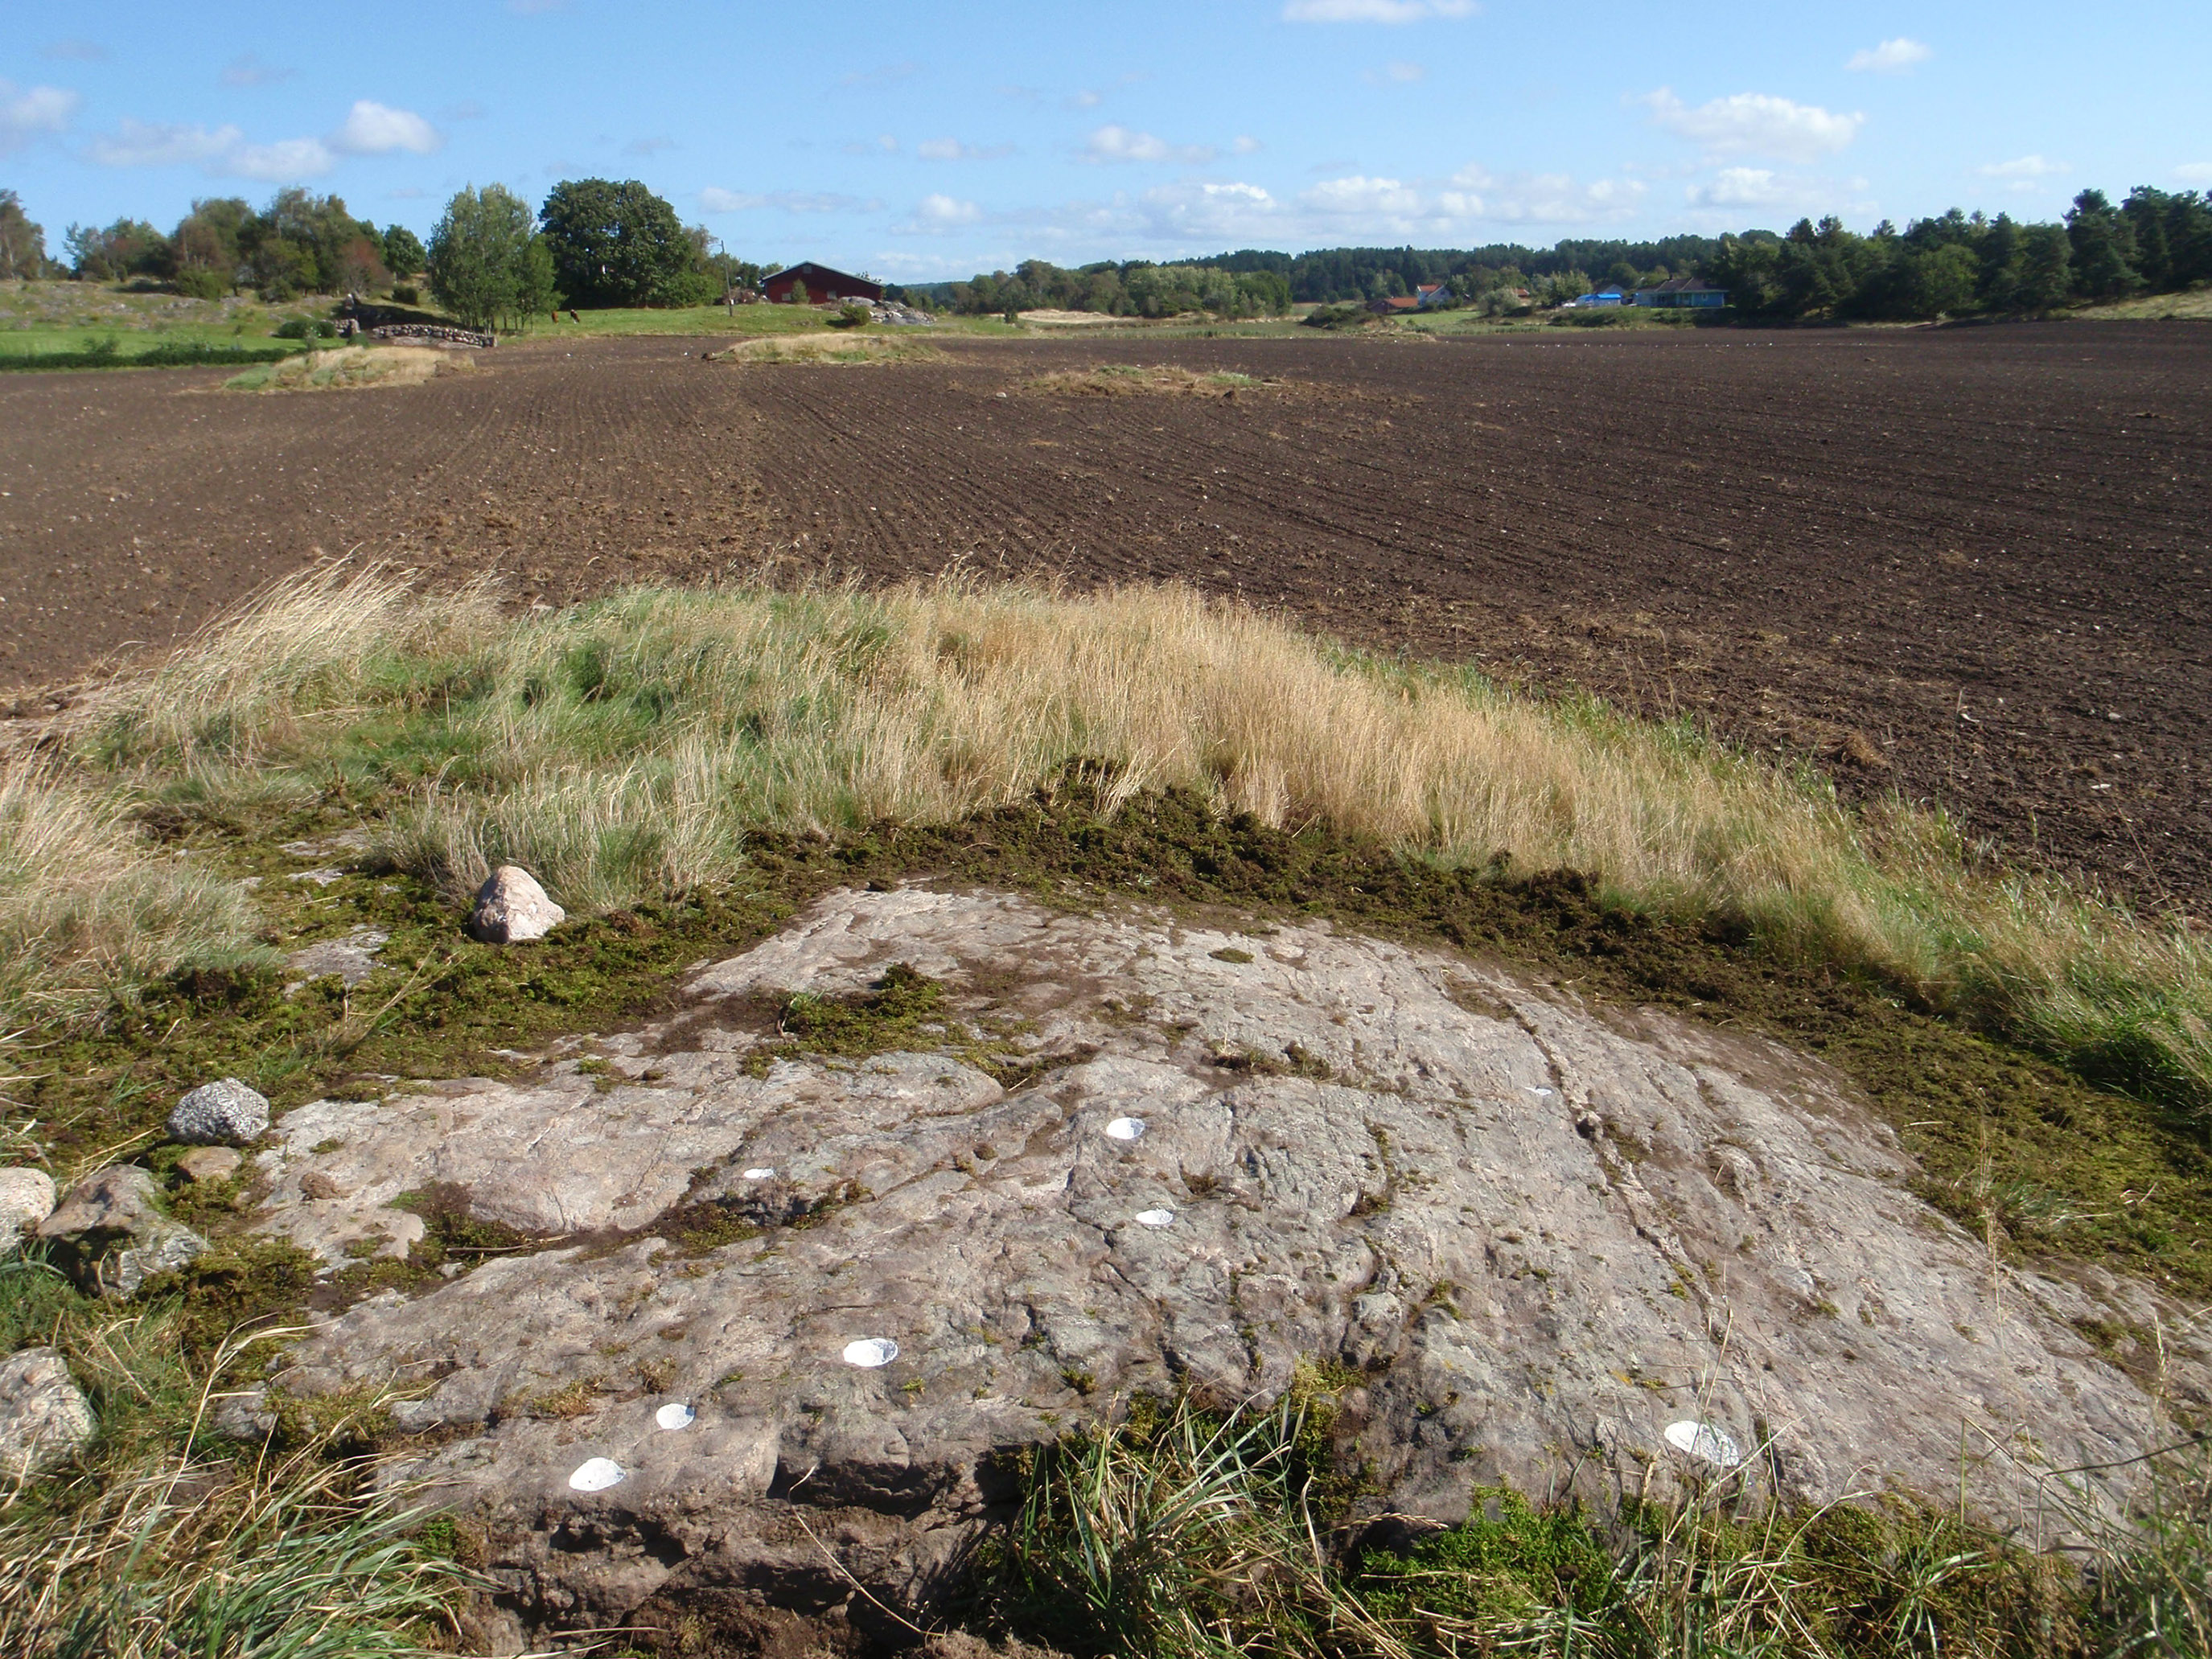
{"x":1182,"y":1533}
{"x":162,"y":1537}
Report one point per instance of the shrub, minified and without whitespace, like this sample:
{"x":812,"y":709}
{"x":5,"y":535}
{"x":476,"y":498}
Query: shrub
{"x":1337,"y":317}
{"x":852,"y":314}
{"x":406,"y":294}
{"x":306,"y":328}
{"x":198,"y":283}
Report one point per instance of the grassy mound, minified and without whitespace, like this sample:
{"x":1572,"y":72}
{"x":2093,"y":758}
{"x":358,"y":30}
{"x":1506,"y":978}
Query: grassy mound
{"x":624,"y":751}
{"x":1160,"y":381}
{"x":843,"y":349}
{"x":347,"y":368}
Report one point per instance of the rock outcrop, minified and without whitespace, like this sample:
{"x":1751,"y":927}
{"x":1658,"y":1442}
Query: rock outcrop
{"x":111,"y":1235}
{"x":1521,"y":1235}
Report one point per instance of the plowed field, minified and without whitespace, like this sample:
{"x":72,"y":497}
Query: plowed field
{"x":1969,"y":565}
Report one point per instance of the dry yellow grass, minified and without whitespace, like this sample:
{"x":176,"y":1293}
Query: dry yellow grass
{"x":1160,"y":381}
{"x":841,"y":349}
{"x":626,"y":748}
{"x":350,"y":368}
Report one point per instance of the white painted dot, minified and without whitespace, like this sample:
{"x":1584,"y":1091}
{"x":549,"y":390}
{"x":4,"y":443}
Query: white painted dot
{"x":1704,"y":1441}
{"x":871,"y":1352}
{"x":1155,"y":1218}
{"x":764,"y":1172}
{"x":596,"y":1475}
{"x":1126,"y":1128}
{"x":675,"y":1415}
{"x":1540,"y":1094}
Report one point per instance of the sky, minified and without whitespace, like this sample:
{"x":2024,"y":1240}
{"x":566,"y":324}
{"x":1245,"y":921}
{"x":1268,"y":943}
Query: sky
{"x":987,"y":134}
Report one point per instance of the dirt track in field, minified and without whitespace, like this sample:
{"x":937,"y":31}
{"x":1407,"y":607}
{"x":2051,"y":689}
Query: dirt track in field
{"x":1972,"y":565}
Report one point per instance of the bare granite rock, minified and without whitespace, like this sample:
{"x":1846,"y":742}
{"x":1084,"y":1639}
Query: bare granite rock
{"x":1543,"y":1237}
{"x":512,"y":908}
{"x":352,"y":958}
{"x":111,"y":1235}
{"x":27,"y":1198}
{"x":44,"y":1416}
{"x":225,"y":1113}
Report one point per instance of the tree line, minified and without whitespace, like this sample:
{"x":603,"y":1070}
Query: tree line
{"x":492,"y":261}
{"x":1955,"y":264}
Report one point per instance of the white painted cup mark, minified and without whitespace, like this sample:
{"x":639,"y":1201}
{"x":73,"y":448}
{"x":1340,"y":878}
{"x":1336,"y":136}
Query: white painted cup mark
{"x":1704,"y":1440}
{"x":1126,"y":1128}
{"x":1155,"y":1218}
{"x":871,"y":1352}
{"x":675,"y":1415}
{"x":596,"y":1475}
{"x":764,"y":1173}
{"x":1540,"y":1094}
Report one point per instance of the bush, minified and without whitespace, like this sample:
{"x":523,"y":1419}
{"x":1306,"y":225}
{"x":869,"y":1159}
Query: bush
{"x":1337,"y":317}
{"x":852,"y":315}
{"x":306,"y":328}
{"x":406,"y":294}
{"x":198,"y":283}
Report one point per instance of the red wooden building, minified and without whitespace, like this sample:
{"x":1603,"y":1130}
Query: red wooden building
{"x":821,"y":283}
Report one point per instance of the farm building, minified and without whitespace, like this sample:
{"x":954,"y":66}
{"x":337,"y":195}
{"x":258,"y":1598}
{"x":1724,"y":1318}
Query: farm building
{"x":1682,"y":293}
{"x":821,"y":283}
{"x":1423,"y":298}
{"x":1604,"y":296}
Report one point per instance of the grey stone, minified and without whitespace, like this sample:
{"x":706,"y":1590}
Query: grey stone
{"x":44,"y":1416}
{"x":352,"y":958}
{"x":227,"y":1113}
{"x":512,"y":908}
{"x":111,"y":1235}
{"x":27,"y":1198}
{"x":204,"y":1164}
{"x":1542,"y":1232}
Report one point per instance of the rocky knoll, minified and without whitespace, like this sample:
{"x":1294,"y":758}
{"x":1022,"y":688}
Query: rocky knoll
{"x":783,"y":1307}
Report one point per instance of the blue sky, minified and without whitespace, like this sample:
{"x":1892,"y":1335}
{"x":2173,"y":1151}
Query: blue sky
{"x":991,"y":133}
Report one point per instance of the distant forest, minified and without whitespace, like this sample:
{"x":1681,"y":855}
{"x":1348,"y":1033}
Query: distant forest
{"x":1954,"y":265}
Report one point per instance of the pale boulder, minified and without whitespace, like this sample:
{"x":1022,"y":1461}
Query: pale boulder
{"x":512,"y":908}
{"x":27,"y":1198}
{"x":44,"y":1415}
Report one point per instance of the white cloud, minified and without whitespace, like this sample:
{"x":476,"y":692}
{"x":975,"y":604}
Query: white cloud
{"x":952,"y":150}
{"x":374,"y":129}
{"x":247,"y":69}
{"x":1398,"y":72}
{"x":1755,"y":123}
{"x":1891,"y":57}
{"x":1246,"y":145}
{"x":164,"y":144}
{"x":1539,"y":198}
{"x":1085,"y":100}
{"x":938,"y":212}
{"x":1741,"y":187}
{"x":33,"y":112}
{"x":2023,"y":169}
{"x":1362,"y":198}
{"x":2194,"y":173}
{"x":652,"y":146}
{"x":714,"y":199}
{"x":1375,"y":11}
{"x":78,"y":51}
{"x":285,"y":161}
{"x":1119,"y":143}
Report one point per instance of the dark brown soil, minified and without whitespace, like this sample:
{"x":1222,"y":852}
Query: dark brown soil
{"x":1971,"y":565}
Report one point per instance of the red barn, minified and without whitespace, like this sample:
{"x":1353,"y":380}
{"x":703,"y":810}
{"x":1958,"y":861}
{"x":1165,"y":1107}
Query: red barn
{"x":821,"y":283}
